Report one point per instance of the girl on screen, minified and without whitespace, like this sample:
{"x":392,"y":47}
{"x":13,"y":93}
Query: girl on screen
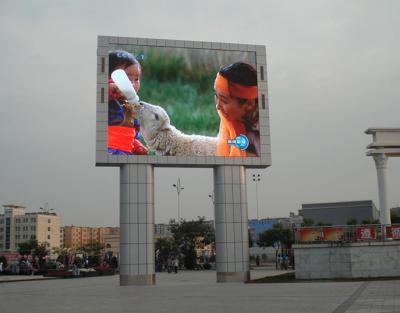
{"x":236,"y":101}
{"x":123,"y":129}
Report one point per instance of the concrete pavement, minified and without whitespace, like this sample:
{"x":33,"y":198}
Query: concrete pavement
{"x":20,"y":278}
{"x":195,"y":292}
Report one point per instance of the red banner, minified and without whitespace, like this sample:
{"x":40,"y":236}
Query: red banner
{"x":393,"y":232}
{"x":333,"y":234}
{"x":310,"y":234}
{"x":11,"y":256}
{"x":366,"y":233}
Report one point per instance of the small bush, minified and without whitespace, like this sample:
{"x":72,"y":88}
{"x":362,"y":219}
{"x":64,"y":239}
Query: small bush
{"x":207,"y":266}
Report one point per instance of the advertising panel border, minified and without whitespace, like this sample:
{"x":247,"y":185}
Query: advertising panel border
{"x":108,"y":43}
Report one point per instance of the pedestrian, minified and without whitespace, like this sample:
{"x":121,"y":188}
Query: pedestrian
{"x":279,"y":261}
{"x":286,"y":262}
{"x":176,"y":265}
{"x":169,"y":265}
{"x":1,"y":268}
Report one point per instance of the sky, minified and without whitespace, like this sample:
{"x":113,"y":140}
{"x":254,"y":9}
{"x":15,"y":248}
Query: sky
{"x":333,"y":71}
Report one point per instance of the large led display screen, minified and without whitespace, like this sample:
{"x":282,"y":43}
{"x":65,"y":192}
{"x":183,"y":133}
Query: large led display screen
{"x":184,"y":101}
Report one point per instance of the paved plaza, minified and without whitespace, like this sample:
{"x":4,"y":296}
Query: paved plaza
{"x":195,"y":292}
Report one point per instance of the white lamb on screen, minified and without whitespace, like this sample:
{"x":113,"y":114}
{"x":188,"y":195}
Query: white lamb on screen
{"x":165,"y":139}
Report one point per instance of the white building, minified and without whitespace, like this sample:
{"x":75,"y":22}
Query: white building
{"x":17,"y":226}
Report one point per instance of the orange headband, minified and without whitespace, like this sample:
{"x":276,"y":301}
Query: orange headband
{"x":235,"y":90}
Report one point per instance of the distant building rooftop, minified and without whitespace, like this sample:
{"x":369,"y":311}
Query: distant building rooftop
{"x":14,"y":206}
{"x":339,"y":213}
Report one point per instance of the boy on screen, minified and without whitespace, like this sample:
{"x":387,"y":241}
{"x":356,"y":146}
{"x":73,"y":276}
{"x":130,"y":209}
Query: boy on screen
{"x":236,"y":101}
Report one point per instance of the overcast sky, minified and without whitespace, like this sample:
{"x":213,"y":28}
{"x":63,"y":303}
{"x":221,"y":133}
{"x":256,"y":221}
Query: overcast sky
{"x":333,"y":72}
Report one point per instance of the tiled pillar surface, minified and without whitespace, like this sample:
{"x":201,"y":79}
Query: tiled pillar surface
{"x":137,"y":225}
{"x":231,"y":232}
{"x":381,"y":161}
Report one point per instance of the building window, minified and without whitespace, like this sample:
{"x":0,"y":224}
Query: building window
{"x":33,"y":236}
{"x":33,"y":219}
{"x":1,"y":221}
{"x":17,"y":228}
{"x":17,"y":236}
{"x":25,"y":236}
{"x":49,"y":221}
{"x":1,"y":230}
{"x":48,"y":236}
{"x":8,"y":233}
{"x":48,"y":228}
{"x":33,"y":227}
{"x":17,"y":220}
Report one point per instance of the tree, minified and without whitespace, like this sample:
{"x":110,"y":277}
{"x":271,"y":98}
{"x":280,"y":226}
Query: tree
{"x":37,"y":250}
{"x":27,"y":247}
{"x":351,"y":221}
{"x":276,"y":234}
{"x":62,"y":254}
{"x":367,"y":222}
{"x":189,"y":235}
{"x":307,"y":222}
{"x":92,"y":248}
{"x":394,"y":218}
{"x":323,"y":224}
{"x":164,"y":248}
{"x":41,"y":251}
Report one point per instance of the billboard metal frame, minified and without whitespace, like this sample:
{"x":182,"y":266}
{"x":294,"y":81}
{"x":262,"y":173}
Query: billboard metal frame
{"x":108,"y":43}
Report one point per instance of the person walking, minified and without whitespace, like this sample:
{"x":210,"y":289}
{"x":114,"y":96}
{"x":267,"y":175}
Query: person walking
{"x":176,"y":265}
{"x":169,"y":265}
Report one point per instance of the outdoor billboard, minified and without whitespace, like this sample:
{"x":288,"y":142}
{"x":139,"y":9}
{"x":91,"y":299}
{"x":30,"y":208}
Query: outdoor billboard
{"x":189,"y":104}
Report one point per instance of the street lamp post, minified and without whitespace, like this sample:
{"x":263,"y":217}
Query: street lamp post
{"x":256,"y":179}
{"x":211,"y":196}
{"x":178,"y":188}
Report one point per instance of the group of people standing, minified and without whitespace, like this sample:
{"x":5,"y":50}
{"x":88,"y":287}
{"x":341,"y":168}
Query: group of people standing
{"x":173,"y":265}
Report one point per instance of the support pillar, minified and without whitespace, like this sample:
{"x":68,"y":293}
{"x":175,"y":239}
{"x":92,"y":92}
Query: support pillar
{"x":231,"y":224}
{"x":381,"y":169}
{"x":137,"y":225}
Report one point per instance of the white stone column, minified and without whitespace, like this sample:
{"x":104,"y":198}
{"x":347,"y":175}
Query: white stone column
{"x":381,"y":169}
{"x":137,"y":225}
{"x":231,"y":224}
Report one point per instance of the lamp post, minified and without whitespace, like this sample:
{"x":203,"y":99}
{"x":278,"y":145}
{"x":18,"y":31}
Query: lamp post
{"x":256,"y":179}
{"x":211,"y":196}
{"x":178,"y":188}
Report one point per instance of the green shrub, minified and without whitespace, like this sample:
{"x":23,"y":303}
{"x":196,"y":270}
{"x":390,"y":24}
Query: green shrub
{"x":190,"y":111}
{"x":207,"y":266}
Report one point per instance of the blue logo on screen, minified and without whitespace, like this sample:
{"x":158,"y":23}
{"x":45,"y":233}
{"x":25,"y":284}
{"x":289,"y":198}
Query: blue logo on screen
{"x":241,"y":142}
